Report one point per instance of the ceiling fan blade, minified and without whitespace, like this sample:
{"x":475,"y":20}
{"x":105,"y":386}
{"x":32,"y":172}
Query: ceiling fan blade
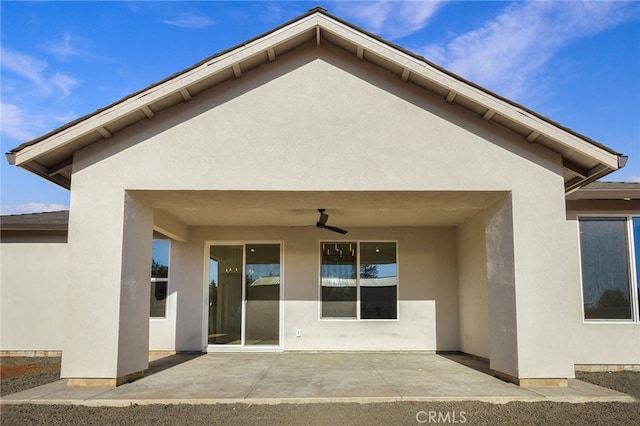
{"x":334,"y":229}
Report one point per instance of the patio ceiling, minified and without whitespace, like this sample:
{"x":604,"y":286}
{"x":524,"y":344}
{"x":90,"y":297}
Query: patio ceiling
{"x":345,"y":209}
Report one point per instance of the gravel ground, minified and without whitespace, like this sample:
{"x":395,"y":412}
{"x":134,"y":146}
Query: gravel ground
{"x":622,"y":381}
{"x":21,"y":373}
{"x":393,"y":413}
{"x":400,"y":413}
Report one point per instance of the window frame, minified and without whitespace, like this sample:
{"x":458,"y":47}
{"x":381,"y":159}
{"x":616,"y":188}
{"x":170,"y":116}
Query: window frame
{"x":631,"y":269}
{"x":358,"y":317}
{"x":162,"y":280}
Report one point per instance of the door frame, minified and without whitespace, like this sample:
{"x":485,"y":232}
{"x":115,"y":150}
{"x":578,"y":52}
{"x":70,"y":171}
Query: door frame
{"x":206,"y":347}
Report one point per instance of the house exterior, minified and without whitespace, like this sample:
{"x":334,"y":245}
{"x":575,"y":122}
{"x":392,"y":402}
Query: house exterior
{"x":463,"y":209}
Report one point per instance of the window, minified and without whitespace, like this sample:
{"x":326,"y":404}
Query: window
{"x":159,"y":279}
{"x":359,"y":280}
{"x":609,"y":250}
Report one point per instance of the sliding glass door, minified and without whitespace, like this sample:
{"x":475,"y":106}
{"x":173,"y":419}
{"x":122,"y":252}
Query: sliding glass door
{"x":244,"y":294}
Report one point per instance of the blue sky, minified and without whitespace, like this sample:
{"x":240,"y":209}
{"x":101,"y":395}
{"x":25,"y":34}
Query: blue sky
{"x":577,"y":63}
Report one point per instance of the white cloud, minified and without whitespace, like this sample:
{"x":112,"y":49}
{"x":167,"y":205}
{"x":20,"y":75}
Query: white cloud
{"x":27,"y":86}
{"x":509,"y":53}
{"x":33,"y":70}
{"x":65,"y":117}
{"x":64,"y":82}
{"x":25,"y":66}
{"x":69,"y":47}
{"x":14,"y":123}
{"x":34,"y":207}
{"x":390,"y":19}
{"x":23,"y":125}
{"x":62,"y":49}
{"x":189,"y":20}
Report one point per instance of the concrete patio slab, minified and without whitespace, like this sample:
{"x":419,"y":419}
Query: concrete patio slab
{"x":311,"y":377}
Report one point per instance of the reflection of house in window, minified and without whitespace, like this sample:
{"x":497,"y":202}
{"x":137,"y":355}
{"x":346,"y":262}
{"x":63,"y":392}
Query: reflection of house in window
{"x":610,"y":304}
{"x":371,"y":294}
{"x":264,"y":288}
{"x":265,"y":281}
{"x":378,"y":297}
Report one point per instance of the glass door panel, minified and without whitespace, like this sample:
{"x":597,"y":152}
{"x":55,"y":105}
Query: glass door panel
{"x":262,"y":293}
{"x":244,"y":295}
{"x":225,"y":295}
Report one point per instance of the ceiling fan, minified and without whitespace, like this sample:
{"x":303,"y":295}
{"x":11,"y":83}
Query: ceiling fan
{"x":322,"y":223}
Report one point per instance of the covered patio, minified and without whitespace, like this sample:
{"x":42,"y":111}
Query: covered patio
{"x":289,"y":377}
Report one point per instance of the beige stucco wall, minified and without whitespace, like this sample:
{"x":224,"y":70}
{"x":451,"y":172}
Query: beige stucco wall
{"x":162,"y":331}
{"x":284,"y":127}
{"x":427,"y":288}
{"x":472,"y":286}
{"x":541,"y":258}
{"x":32,"y":295}
{"x":110,"y":238}
{"x":598,"y":342}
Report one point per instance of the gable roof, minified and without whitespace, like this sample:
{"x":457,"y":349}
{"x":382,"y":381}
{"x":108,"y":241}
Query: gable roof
{"x":47,"y":221}
{"x":51,"y":155}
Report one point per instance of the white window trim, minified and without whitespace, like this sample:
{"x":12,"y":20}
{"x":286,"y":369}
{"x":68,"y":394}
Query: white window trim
{"x":357,"y":318}
{"x":633,"y":291}
{"x":166,"y":280}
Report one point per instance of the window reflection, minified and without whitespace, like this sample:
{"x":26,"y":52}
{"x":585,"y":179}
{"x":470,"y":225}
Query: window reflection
{"x":370,"y":273}
{"x":338,"y":280}
{"x":378,"y":281}
{"x":159,"y":279}
{"x":605,"y":268}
